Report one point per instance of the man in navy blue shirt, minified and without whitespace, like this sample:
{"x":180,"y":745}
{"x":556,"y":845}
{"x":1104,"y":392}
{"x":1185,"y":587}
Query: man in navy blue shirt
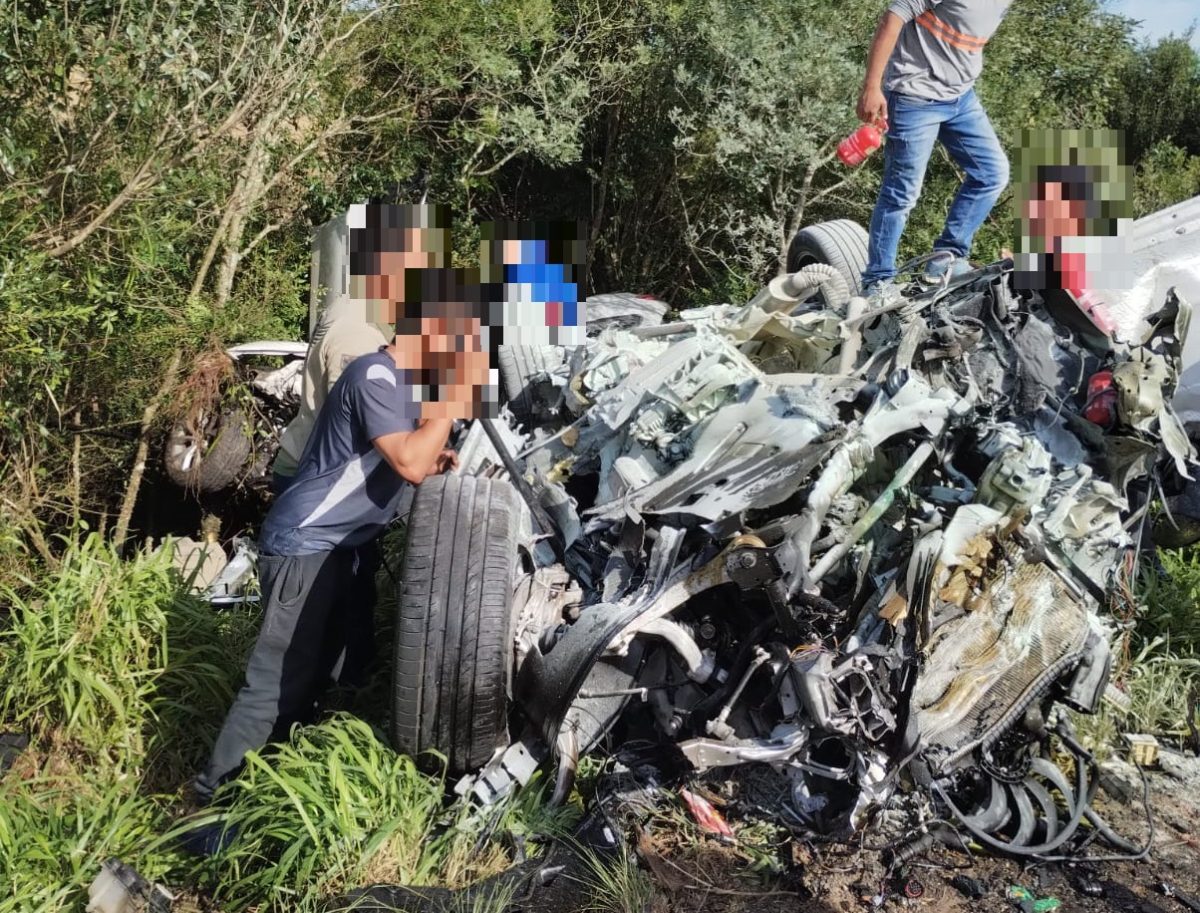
{"x":377,"y":432}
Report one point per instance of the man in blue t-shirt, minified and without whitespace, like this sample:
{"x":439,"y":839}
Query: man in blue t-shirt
{"x":376,"y":433}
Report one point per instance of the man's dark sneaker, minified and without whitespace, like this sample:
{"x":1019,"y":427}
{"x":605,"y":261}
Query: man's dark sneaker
{"x":211,"y":835}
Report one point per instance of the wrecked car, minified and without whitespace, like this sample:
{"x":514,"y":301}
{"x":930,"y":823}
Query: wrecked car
{"x":872,"y":549}
{"x":231,"y":440}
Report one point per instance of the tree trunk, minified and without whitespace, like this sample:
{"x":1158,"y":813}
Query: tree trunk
{"x":610,"y":142}
{"x":245,"y":198}
{"x":170,"y":376}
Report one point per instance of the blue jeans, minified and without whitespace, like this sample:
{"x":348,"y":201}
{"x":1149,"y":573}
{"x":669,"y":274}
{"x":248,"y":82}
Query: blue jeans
{"x":914,"y":124}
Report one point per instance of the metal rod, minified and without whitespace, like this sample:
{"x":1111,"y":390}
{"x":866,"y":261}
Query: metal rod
{"x":873,"y":513}
{"x":540,"y":514}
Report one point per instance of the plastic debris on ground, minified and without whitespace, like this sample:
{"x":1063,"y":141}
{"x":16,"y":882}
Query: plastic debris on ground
{"x":1027,"y":901}
{"x":705,"y":815}
{"x":11,"y":746}
{"x":119,"y":888}
{"x":969,"y":887}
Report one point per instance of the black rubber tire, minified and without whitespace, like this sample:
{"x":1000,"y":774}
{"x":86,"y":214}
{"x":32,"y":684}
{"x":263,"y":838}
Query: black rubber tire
{"x":453,"y":642}
{"x":841,"y":243}
{"x":518,"y":365}
{"x":220,"y":462}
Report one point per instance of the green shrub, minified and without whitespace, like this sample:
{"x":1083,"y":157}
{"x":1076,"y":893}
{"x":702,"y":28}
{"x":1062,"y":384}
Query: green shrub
{"x":116,"y":661}
{"x":81,"y":651}
{"x":55,"y":834}
{"x":336,"y":808}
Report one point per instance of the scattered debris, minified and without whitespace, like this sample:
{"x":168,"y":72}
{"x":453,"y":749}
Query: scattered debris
{"x":1143,"y":749}
{"x":1120,"y":779}
{"x":1180,"y":766}
{"x":199,"y":562}
{"x":705,"y":815}
{"x":119,"y":888}
{"x":1087,"y":885}
{"x":968,"y":887}
{"x":1019,"y":893}
{"x":1169,"y":890}
{"x":231,"y":585}
{"x":11,"y":746}
{"x":1028,"y":902}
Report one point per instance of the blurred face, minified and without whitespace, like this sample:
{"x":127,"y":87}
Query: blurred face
{"x":1051,"y":217}
{"x":511,"y":251}
{"x":449,"y":334}
{"x":388,"y":283}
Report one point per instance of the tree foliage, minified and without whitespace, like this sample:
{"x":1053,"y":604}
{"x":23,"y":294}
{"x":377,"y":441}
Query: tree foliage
{"x":1158,"y":97}
{"x":162,"y":163}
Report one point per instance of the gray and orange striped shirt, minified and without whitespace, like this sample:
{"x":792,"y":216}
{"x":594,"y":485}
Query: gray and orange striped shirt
{"x":939,"y":53}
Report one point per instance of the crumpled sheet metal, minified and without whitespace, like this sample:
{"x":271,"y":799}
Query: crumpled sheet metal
{"x":626,"y":307}
{"x":978,"y":527}
{"x":754,"y":453}
{"x":807,"y":338}
{"x":614,"y":355}
{"x":675,"y":366}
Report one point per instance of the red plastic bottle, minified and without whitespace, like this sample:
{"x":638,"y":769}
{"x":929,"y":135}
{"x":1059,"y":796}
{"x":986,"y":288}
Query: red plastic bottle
{"x":855,"y":148}
{"x":1101,"y":408}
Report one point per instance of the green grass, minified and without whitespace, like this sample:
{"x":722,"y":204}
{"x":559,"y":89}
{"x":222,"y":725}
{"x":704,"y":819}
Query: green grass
{"x":80,"y":656}
{"x":56,"y":831}
{"x":1171,"y":603}
{"x":616,"y":885}
{"x":1160,"y":675}
{"x":336,"y":808}
{"x":121,"y":679}
{"x":1160,"y":687}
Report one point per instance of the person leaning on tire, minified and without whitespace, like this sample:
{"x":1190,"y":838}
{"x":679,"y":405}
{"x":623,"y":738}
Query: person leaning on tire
{"x":384,"y":426}
{"x":921,"y":72}
{"x":345,"y":330}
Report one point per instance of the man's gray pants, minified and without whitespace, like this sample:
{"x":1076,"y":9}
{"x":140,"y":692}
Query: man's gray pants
{"x":312,"y":606}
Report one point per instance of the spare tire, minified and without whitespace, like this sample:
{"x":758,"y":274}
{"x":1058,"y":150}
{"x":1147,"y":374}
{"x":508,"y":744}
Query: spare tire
{"x":841,"y":243}
{"x":453,"y":641}
{"x":209,"y":454}
{"x":519,"y":369}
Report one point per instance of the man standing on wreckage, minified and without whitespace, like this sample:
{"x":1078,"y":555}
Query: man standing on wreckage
{"x":920,"y":86}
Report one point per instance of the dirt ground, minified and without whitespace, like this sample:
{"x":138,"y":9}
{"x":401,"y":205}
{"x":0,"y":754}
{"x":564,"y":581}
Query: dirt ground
{"x":767,"y":869}
{"x":706,"y":875}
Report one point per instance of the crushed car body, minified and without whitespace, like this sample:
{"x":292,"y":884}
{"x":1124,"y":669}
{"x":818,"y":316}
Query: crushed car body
{"x":875,"y":550}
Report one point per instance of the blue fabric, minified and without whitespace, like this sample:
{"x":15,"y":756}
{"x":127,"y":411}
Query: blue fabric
{"x":344,"y":492}
{"x":547,"y":282}
{"x":914,"y":125}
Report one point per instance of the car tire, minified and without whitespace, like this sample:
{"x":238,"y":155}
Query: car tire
{"x":210,"y":454}
{"x":841,"y":243}
{"x":519,"y":365}
{"x":453,"y":651}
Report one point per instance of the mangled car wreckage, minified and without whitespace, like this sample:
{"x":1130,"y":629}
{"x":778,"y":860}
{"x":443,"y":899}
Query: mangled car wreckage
{"x":875,"y":550}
